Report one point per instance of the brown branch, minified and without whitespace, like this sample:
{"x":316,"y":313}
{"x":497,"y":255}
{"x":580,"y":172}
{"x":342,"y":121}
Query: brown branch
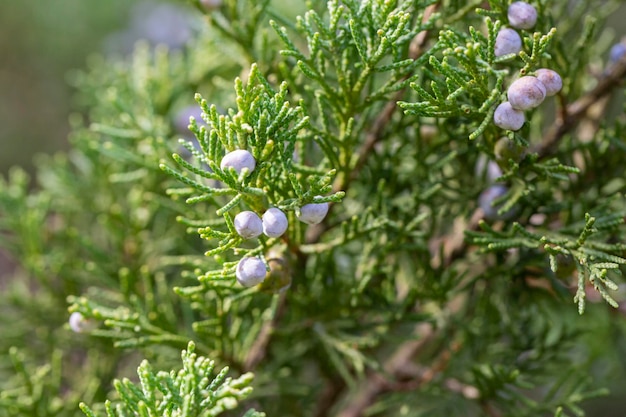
{"x":377,"y":383}
{"x":330,"y":395}
{"x":572,"y":114}
{"x":258,"y":351}
{"x":400,"y":373}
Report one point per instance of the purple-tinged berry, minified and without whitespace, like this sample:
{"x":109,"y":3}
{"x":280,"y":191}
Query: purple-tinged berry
{"x":274,"y":222}
{"x":550,"y":79}
{"x":522,"y":15}
{"x":486,"y":202}
{"x":487,"y":169}
{"x":313,"y":213}
{"x":248,"y":224}
{"x":239,"y":160}
{"x":182,"y":118}
{"x":250,"y":271}
{"x":617,"y":52}
{"x":79,"y":324}
{"x":526,"y":93}
{"x":508,"y":41}
{"x":506,"y":117}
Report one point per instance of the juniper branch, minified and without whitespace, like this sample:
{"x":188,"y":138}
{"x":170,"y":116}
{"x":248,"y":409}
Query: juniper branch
{"x":375,"y":134}
{"x":456,"y":247}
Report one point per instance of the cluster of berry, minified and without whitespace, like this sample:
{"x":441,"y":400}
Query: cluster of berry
{"x":526,"y":93}
{"x":521,"y":16}
{"x":529,"y":91}
{"x":251,"y":270}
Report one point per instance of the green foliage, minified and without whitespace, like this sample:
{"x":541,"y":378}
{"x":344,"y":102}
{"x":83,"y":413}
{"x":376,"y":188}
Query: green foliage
{"x":190,"y":392}
{"x":409,"y":298}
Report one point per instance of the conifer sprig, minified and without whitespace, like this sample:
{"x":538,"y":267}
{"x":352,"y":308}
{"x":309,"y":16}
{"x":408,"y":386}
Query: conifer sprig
{"x":193,"y":391}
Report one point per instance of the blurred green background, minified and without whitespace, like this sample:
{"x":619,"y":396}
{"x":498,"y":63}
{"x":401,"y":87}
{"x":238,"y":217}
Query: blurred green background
{"x":39,"y":44}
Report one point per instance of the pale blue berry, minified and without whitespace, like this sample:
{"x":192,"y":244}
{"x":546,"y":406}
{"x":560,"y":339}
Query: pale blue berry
{"x":507,"y":42}
{"x":550,"y":79}
{"x":313,"y":213}
{"x":248,"y":224}
{"x":487,"y":169}
{"x":506,"y":117}
{"x":250,"y":271}
{"x":79,"y":324}
{"x":239,"y":160}
{"x":617,"y":52}
{"x":182,"y":118}
{"x":522,"y":15}
{"x":526,"y":93}
{"x":274,"y":222}
{"x":486,"y":202}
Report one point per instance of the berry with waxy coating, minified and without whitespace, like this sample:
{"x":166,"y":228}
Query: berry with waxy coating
{"x":617,"y":52}
{"x":487,"y":169}
{"x":238,"y":160}
{"x":507,"y":42}
{"x":508,"y":118}
{"x":487,"y":198}
{"x":250,"y":271}
{"x":79,"y":324}
{"x":313,"y":213}
{"x":550,"y":79}
{"x":248,"y":224}
{"x":526,"y":93}
{"x":522,"y":15}
{"x":274,"y":222}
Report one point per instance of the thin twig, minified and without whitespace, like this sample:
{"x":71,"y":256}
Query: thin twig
{"x":378,"y":383}
{"x":258,"y":351}
{"x":576,"y":111}
{"x":375,"y":134}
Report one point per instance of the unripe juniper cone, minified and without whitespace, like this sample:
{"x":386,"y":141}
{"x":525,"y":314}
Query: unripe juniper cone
{"x":506,"y":149}
{"x":507,"y":117}
{"x":486,"y":202}
{"x":79,"y":324}
{"x":274,"y":222}
{"x":526,"y":93}
{"x":617,"y":52}
{"x":508,"y":41}
{"x":238,"y":160}
{"x":248,"y":224}
{"x":250,"y":271}
{"x":522,"y":15}
{"x":550,"y":79}
{"x":313,"y":213}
